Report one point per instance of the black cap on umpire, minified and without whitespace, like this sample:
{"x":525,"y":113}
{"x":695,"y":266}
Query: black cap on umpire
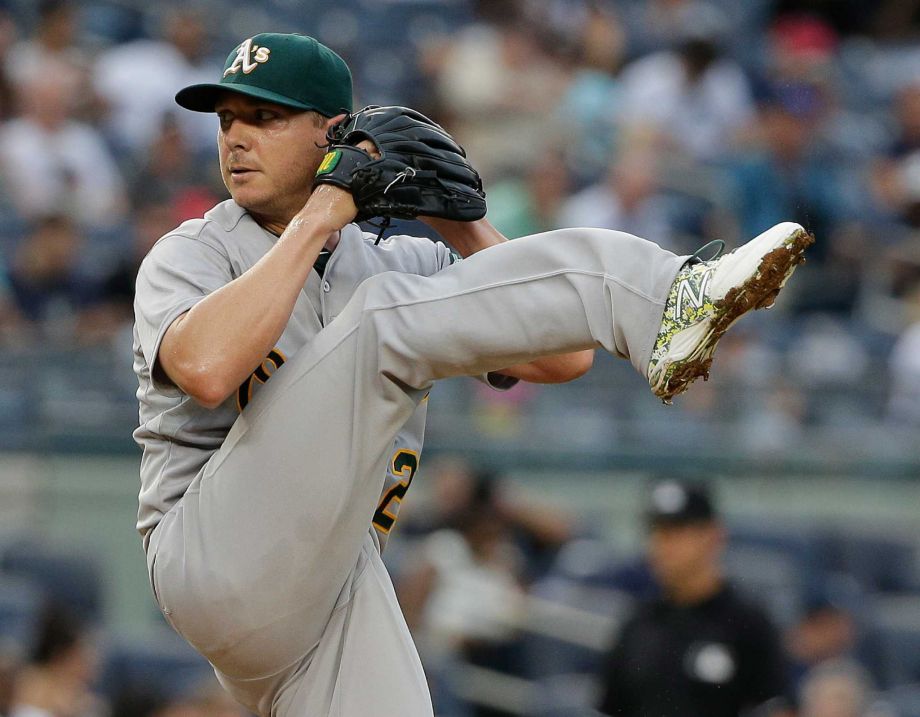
{"x":678,"y":502}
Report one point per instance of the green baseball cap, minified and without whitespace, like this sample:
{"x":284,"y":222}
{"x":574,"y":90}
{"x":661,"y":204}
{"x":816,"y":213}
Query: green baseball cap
{"x":293,"y":70}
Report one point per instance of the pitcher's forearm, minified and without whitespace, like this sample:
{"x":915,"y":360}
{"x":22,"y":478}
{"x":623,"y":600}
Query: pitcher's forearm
{"x":553,"y":369}
{"x":209,"y":351}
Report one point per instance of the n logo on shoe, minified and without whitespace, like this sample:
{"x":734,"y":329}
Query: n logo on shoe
{"x":688,"y":294}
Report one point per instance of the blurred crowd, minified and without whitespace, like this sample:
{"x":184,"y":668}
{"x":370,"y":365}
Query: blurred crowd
{"x":677,"y":120}
{"x":68,"y":672}
{"x":95,"y":163}
{"x":711,"y":614}
{"x":520,"y":607}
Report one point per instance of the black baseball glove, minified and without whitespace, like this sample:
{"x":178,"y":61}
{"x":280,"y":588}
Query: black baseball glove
{"x":421,"y":171}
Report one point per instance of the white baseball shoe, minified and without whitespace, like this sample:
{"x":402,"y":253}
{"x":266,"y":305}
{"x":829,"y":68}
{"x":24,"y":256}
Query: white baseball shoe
{"x":707,"y":297}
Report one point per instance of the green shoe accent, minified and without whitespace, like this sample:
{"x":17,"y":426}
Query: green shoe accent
{"x":707,"y":297}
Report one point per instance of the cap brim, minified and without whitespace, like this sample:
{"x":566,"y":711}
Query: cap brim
{"x":203,"y":98}
{"x":661,"y":520}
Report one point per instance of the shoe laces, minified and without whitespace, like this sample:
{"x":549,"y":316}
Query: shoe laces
{"x":715,"y":248}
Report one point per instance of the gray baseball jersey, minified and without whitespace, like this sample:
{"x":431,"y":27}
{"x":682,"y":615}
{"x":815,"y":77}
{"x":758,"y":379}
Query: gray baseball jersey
{"x":177,"y":434}
{"x":267,"y":565}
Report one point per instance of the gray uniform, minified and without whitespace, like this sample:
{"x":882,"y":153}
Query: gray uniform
{"x":257,"y":514}
{"x":179,"y":435}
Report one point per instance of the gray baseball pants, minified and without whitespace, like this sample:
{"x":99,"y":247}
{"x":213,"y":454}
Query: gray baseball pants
{"x":268,"y":565}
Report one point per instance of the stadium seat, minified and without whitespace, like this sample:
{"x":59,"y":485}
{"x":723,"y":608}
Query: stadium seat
{"x":21,"y":602}
{"x":73,"y":580}
{"x":161,"y":665}
{"x":773,"y":579}
{"x":895,"y":634}
{"x":565,"y":696}
{"x":568,"y":627}
{"x":881,"y":563}
{"x":777,"y":566}
{"x":903,"y":701}
{"x":586,"y":561}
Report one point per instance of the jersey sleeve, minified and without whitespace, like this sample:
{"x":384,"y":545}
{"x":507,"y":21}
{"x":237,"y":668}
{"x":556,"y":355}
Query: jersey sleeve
{"x":439,"y":256}
{"x":420,"y":255}
{"x":177,"y":273}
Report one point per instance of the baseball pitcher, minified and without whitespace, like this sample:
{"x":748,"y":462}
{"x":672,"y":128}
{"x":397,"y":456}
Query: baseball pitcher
{"x":284,"y":360}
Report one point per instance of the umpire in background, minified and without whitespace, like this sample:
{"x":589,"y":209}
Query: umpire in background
{"x":700,"y":649}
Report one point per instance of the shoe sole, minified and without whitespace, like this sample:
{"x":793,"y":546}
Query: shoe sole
{"x":759,"y":291}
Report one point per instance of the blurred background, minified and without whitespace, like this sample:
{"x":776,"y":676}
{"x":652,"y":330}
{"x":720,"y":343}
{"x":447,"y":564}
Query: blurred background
{"x":521,"y":548}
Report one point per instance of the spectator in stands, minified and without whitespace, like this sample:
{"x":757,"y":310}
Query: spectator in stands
{"x":845,"y":16}
{"x":839,"y":689}
{"x":789,"y":172}
{"x":899,"y":183}
{"x":904,"y":366}
{"x":53,"y":163}
{"x":169,"y":171}
{"x":657,"y":25}
{"x":801,"y":54}
{"x":457,"y":488}
{"x":205,"y":700}
{"x":826,"y":633}
{"x":701,"y":650}
{"x":9,"y":666}
{"x":479,"y":541}
{"x":57,"y":682}
{"x":453,"y":487}
{"x":539,"y":530}
{"x":523,"y":206}
{"x":8,"y":32}
{"x":139,"y":79}
{"x":44,"y":278}
{"x":691,"y":98}
{"x":894,"y":20}
{"x":12,"y":322}
{"x":500,"y":87}
{"x":464,"y":596}
{"x":895,"y":176}
{"x":130,"y":701}
{"x":588,"y":113}
{"x":52,"y":51}
{"x":907,"y":114}
{"x":809,"y":158}
{"x":802,"y":159}
{"x":49,"y":295}
{"x":111,"y":308}
{"x":628,"y":199}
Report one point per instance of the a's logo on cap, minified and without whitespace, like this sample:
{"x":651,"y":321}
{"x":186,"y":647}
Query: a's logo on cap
{"x":242,"y":60}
